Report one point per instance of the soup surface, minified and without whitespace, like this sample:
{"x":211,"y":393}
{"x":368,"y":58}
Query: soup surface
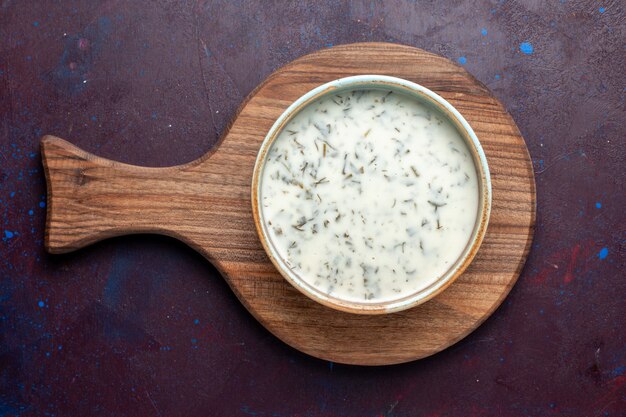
{"x":369,"y":195}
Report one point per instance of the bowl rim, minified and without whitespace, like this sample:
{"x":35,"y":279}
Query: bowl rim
{"x":422,"y":94}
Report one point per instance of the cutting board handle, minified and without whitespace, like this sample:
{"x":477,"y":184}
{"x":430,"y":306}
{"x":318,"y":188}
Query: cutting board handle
{"x":92,"y":198}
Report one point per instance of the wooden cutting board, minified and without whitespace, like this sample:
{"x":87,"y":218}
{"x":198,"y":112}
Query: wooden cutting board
{"x":206,"y":204}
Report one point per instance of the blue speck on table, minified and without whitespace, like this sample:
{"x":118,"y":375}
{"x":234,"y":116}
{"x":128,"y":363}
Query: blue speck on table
{"x":526,"y":48}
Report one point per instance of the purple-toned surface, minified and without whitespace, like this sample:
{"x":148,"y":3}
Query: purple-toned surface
{"x":144,"y":326}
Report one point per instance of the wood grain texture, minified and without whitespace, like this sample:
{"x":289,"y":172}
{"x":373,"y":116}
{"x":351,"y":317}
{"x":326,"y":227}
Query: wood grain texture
{"x":206,"y":204}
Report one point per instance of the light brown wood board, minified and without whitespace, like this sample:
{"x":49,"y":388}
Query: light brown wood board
{"x":206,"y":204}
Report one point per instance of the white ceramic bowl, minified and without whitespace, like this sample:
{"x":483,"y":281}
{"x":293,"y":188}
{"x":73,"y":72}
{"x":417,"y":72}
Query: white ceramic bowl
{"x":484,"y":188}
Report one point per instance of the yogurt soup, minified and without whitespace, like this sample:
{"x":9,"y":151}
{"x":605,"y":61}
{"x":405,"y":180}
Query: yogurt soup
{"x":369,"y":195}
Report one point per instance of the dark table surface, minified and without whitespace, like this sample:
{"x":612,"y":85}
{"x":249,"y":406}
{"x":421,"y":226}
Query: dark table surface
{"x":144,"y":326}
